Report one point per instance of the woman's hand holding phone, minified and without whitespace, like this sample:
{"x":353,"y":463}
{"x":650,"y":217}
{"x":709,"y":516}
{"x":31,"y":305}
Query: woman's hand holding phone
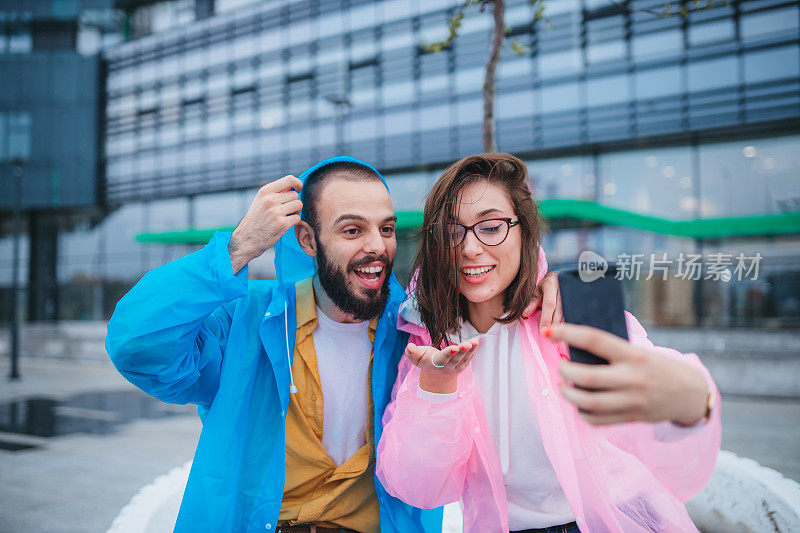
{"x":439,"y":369}
{"x":637,"y":385}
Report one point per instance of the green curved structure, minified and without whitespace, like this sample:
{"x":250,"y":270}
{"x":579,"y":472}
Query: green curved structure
{"x":566,"y":213}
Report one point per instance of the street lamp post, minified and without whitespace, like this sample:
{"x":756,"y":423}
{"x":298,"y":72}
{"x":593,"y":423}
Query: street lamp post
{"x":14,"y":344}
{"x":342,"y":105}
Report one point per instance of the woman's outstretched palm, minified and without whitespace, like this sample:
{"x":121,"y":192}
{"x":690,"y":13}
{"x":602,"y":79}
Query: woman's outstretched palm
{"x":439,"y":369}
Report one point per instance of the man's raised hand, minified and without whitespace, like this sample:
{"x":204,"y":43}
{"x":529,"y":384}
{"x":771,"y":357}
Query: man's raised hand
{"x":274,"y":210}
{"x":548,"y":297}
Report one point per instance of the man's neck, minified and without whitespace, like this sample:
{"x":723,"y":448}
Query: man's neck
{"x":327,"y":306}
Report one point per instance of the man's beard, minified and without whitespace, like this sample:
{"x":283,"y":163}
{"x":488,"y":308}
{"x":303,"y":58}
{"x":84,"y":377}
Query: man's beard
{"x":334,"y":283}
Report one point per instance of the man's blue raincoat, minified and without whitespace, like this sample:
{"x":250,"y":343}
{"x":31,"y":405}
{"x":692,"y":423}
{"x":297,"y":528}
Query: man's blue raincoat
{"x":192,"y":332}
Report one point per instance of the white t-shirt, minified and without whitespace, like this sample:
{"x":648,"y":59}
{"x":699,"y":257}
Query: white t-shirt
{"x":343,"y":355}
{"x":534,"y":494}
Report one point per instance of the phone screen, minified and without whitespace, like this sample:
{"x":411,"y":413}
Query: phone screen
{"x":598,"y":303}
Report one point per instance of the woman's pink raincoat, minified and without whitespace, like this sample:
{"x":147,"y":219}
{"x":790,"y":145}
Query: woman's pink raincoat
{"x":620,"y":478}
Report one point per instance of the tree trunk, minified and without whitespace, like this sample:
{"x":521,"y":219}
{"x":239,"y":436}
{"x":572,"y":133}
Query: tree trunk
{"x":489,"y":127}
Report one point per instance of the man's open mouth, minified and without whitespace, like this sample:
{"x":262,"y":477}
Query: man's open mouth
{"x":371,"y":276}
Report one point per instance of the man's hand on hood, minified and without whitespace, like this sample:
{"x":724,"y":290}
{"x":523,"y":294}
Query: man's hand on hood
{"x":274,"y":210}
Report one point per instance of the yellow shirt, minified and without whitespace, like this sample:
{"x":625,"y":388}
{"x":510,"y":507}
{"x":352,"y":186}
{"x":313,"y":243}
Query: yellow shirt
{"x":316,"y":490}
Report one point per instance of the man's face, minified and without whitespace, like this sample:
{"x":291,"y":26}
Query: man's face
{"x":356,"y":245}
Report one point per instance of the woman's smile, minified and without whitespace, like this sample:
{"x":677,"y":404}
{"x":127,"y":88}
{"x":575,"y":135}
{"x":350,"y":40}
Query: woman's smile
{"x":477,"y":274}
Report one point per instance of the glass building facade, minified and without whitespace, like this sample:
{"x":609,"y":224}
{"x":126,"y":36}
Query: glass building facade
{"x":678,"y":118}
{"x":50,"y":137}
{"x":258,"y":91}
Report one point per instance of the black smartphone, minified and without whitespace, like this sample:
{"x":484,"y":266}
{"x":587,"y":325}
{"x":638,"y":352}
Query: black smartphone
{"x":593,"y":299}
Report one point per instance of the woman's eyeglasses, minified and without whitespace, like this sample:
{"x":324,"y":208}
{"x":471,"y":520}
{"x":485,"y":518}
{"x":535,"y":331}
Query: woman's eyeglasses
{"x":490,"y":232}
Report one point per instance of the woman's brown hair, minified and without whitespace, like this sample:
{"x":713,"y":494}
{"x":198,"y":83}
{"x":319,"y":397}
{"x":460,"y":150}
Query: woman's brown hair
{"x":436,"y":285}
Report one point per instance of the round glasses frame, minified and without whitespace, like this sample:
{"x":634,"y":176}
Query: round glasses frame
{"x":508,"y":222}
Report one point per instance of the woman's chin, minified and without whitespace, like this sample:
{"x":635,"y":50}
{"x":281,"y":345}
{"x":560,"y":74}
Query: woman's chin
{"x":478,"y":295}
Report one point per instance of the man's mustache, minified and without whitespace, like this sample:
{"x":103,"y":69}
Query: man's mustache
{"x":364,"y":261}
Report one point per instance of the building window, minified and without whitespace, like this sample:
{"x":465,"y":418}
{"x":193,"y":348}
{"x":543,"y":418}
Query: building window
{"x":658,"y":82}
{"x":20,"y":41}
{"x":162,"y":16}
{"x":712,"y":74}
{"x":664,"y":44}
{"x":711,"y":32}
{"x":222,"y":6}
{"x":770,"y":24}
{"x":15,"y":135}
{"x":656,"y":181}
{"x":772,"y":64}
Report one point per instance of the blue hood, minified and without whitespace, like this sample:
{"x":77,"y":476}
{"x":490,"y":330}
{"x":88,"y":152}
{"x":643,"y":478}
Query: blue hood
{"x":291,"y":262}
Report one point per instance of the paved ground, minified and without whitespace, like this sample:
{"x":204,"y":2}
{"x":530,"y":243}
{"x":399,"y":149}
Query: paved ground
{"x":79,"y":482}
{"x":764,"y":429}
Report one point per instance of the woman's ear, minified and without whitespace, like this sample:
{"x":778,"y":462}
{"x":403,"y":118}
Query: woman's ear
{"x":305,"y":236}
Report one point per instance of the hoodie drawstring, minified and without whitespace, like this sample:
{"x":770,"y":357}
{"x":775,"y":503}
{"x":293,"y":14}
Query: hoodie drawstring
{"x":503,"y":402}
{"x":292,"y":387}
